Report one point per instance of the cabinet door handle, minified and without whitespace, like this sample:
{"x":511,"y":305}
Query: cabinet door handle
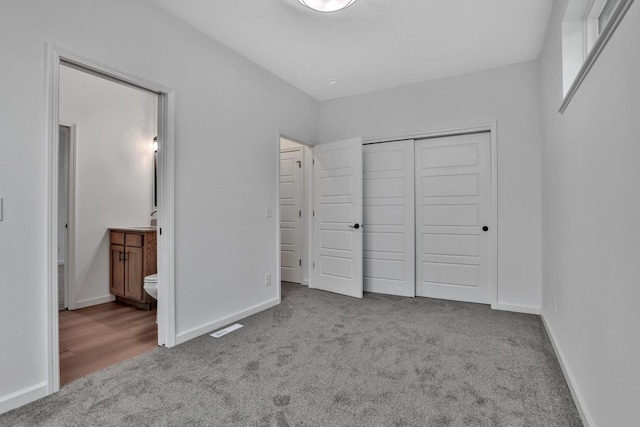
{"x":120,"y":256}
{"x":126,"y":256}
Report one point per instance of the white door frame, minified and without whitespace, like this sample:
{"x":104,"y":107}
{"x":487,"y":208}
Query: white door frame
{"x":300,"y":237}
{"x":166,"y":218}
{"x":491,"y":127}
{"x":70,"y":256}
{"x":307,"y":208}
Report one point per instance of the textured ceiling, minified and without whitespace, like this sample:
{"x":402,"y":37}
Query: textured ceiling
{"x":374,"y":44}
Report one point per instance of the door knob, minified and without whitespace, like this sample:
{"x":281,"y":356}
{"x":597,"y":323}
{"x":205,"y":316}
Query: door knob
{"x":485,"y":228}
{"x":356,"y":226}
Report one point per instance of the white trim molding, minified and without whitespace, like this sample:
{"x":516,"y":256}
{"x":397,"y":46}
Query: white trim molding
{"x":22,"y":397}
{"x":432,"y":133}
{"x":517,"y":308}
{"x":277,"y":215}
{"x":211,"y":326}
{"x":568,"y":376}
{"x":166,"y":218}
{"x":94,"y":301}
{"x":52,"y":70}
{"x":578,"y":56}
{"x":70,"y":279}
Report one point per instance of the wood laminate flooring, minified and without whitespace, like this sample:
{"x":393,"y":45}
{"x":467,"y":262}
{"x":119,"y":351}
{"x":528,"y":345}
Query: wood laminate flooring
{"x":95,"y":337}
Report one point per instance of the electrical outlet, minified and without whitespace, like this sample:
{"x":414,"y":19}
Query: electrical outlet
{"x":267,"y":211}
{"x":267,"y":279}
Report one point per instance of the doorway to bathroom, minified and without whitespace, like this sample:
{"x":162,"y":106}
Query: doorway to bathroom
{"x":110,"y":175}
{"x":106,"y":180}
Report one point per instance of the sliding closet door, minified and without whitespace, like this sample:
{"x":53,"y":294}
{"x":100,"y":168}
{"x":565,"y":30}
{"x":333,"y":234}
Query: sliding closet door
{"x":389,"y":250}
{"x":453,"y":214}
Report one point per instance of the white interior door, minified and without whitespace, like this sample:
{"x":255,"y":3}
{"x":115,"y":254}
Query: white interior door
{"x":291,"y":216}
{"x":64,"y":138}
{"x":389,"y":236}
{"x":337,"y":189}
{"x":453,"y":207}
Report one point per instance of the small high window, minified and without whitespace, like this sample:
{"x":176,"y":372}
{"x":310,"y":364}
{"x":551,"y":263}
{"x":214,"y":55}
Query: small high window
{"x":604,"y":16}
{"x":586,"y":29}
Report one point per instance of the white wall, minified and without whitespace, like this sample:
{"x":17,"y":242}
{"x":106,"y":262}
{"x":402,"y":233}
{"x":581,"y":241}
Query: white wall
{"x":114,"y":170}
{"x":508,"y":95}
{"x":591,"y":232}
{"x":228,"y":116}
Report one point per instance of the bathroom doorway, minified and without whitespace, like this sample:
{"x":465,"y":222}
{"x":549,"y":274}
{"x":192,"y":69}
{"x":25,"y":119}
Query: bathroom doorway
{"x":109,"y":183}
{"x":105,"y":189}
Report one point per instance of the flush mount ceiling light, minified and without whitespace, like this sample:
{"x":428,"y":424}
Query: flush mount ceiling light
{"x":327,"y":5}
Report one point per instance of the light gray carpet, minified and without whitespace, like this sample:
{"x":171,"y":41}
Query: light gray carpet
{"x":320,"y":359}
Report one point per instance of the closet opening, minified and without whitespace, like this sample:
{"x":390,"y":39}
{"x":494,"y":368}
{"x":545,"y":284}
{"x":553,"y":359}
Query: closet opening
{"x":294,"y":181}
{"x":429,"y":217}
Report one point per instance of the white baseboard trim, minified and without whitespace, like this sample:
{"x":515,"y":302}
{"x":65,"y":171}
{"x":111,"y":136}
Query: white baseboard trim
{"x":516,"y":308}
{"x":209,"y":327}
{"x":305,"y":282}
{"x":94,"y":301}
{"x":568,"y":376}
{"x":22,"y":397}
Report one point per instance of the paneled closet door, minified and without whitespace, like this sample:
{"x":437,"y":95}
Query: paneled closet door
{"x":453,"y":215}
{"x":389,"y":250}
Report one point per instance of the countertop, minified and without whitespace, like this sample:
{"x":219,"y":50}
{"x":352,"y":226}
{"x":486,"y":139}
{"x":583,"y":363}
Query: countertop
{"x":143,"y":229}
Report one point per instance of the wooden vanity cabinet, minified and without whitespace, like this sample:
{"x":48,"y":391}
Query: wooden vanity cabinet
{"x":133,"y":256}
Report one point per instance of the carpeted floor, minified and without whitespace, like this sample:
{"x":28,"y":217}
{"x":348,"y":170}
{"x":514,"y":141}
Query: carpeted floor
{"x":320,"y":359}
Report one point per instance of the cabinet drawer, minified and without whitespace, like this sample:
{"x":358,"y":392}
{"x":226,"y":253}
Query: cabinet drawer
{"x":133,"y":240}
{"x":117,"y":238}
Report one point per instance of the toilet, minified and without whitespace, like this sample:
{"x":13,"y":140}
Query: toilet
{"x":151,"y":286}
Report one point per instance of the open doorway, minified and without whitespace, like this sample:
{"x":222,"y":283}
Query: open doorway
{"x":295,"y":211}
{"x":106,"y":180}
{"x":163,"y":118}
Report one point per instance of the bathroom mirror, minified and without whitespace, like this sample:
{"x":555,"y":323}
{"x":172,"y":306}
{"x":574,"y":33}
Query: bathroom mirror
{"x":155,"y":172}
